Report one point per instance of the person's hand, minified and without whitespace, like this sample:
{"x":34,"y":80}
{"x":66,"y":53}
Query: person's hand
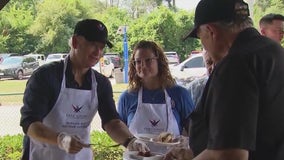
{"x":179,"y":154}
{"x":184,"y":142}
{"x":137,"y":145}
{"x":69,"y":143}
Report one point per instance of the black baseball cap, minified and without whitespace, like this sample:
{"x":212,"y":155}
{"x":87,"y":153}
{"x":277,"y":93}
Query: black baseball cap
{"x":93,"y":30}
{"x":208,"y":11}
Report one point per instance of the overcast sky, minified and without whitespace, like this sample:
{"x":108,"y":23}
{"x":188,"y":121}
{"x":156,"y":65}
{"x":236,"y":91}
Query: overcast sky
{"x":187,"y":4}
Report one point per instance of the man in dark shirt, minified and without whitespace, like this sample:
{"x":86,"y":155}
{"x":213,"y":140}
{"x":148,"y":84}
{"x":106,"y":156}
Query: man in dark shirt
{"x":61,"y":99}
{"x":272,"y":26}
{"x":240,"y":115}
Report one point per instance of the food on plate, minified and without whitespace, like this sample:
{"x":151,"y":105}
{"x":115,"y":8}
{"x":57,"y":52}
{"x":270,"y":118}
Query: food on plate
{"x":145,"y":154}
{"x":165,"y":137}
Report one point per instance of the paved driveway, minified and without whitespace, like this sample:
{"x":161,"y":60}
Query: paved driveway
{"x":10,"y":121}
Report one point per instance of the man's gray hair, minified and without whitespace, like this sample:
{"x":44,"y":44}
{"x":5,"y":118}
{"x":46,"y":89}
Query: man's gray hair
{"x":235,"y":26}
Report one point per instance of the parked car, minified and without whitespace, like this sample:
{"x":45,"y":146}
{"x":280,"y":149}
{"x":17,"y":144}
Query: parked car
{"x":190,"y":69}
{"x":39,"y":57}
{"x":5,"y":55}
{"x":115,"y":59}
{"x":18,"y":66}
{"x":55,"y":57}
{"x":105,"y":66}
{"x":173,"y":58}
{"x":194,"y":52}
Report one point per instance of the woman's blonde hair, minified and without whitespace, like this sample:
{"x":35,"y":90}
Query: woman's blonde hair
{"x":165,"y":77}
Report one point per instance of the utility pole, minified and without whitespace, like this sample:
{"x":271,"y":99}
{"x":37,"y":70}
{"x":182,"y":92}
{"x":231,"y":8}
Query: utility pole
{"x":125,"y":51}
{"x":123,"y":30}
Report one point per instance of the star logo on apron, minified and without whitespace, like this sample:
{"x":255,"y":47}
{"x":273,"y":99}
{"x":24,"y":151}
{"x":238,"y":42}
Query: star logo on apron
{"x":76,"y":108}
{"x":154,"y":122}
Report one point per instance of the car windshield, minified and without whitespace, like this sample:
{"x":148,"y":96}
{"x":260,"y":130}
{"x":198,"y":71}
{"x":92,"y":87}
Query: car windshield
{"x":4,"y":55}
{"x":12,"y":60}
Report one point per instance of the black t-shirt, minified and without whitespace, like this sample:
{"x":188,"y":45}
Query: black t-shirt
{"x":243,"y":102}
{"x":43,"y":89}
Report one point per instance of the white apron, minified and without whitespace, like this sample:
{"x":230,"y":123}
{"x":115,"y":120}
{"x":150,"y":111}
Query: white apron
{"x":72,"y":113}
{"x":154,"y":119}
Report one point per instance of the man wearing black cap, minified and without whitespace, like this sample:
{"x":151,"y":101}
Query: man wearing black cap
{"x":240,"y":115}
{"x":61,"y":99}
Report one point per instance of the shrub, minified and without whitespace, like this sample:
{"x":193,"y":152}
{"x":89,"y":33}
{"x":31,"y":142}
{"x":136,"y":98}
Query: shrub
{"x":11,"y":147}
{"x":101,"y":151}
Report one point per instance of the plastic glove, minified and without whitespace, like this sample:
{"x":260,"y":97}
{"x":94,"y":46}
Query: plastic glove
{"x":69,"y":143}
{"x":184,"y":142}
{"x":137,"y":145}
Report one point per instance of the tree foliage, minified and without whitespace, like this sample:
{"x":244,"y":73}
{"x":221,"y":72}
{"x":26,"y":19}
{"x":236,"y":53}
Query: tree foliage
{"x":263,"y":7}
{"x":15,"y":19}
{"x":139,"y":7}
{"x":44,"y":26}
{"x":54,"y":23}
{"x":113,"y":18}
{"x":165,"y":27}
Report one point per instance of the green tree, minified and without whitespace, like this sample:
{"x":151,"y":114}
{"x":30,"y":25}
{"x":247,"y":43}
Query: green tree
{"x":139,"y":7}
{"x":166,"y":28}
{"x":171,"y":4}
{"x":99,"y":6}
{"x":262,"y":4}
{"x":16,"y":17}
{"x":184,"y":22}
{"x":55,"y":21}
{"x":113,"y":18}
{"x":45,"y":26}
{"x":263,"y":7}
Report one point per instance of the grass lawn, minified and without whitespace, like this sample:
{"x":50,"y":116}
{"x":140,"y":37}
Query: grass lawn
{"x":12,"y":86}
{"x":11,"y":91}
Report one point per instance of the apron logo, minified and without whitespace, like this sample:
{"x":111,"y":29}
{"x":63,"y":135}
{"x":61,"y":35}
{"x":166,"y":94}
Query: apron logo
{"x":100,"y":27}
{"x":154,"y":122}
{"x":76,"y":108}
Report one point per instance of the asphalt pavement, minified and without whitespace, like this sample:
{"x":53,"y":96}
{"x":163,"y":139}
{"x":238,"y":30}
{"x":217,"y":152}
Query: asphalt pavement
{"x":10,"y":119}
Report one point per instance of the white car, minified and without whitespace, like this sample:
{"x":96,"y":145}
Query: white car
{"x":173,"y":58}
{"x":190,"y":69}
{"x":105,"y":67}
{"x":55,"y":57}
{"x":40,"y":58}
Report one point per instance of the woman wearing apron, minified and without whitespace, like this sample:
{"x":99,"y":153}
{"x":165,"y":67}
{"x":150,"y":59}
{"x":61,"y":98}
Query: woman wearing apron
{"x":61,"y":99}
{"x":153,"y":103}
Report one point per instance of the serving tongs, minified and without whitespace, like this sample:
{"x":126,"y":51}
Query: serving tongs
{"x":104,"y":146}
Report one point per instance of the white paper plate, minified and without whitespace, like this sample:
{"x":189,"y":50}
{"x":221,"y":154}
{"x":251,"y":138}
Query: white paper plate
{"x":153,"y":139}
{"x":133,"y":155}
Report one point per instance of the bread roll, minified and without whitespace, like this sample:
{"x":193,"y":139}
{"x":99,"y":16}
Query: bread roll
{"x":165,"y":137}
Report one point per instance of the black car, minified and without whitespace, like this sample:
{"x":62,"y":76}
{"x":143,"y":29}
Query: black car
{"x":18,"y":66}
